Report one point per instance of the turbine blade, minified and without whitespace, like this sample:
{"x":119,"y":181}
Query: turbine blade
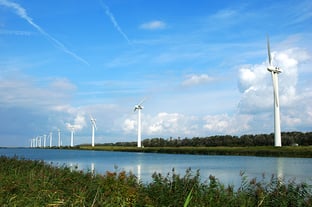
{"x":142,"y":101}
{"x":94,"y":122}
{"x":269,"y":51}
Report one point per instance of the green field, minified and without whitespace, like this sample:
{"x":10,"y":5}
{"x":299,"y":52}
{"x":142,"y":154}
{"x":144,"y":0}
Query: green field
{"x":35,"y":183}
{"x":300,"y":151}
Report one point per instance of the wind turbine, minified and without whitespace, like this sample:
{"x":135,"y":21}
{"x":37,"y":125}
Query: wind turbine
{"x":44,"y":140}
{"x":277,"y":121}
{"x":59,"y":137}
{"x":72,"y":130}
{"x":139,"y":107}
{"x":39,"y":141}
{"x":93,"y":123}
{"x":50,"y":136}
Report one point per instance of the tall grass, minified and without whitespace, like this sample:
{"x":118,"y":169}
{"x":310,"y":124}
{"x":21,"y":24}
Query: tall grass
{"x":34,"y":183}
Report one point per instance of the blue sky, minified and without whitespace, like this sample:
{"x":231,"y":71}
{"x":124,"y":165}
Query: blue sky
{"x":201,"y":65}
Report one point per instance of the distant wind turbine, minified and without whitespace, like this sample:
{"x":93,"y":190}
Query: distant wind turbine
{"x":72,"y":130}
{"x":50,"y":136}
{"x":59,"y":137}
{"x":39,"y":141}
{"x":277,"y":122}
{"x":44,"y":140}
{"x":93,"y":123}
{"x":139,"y":107}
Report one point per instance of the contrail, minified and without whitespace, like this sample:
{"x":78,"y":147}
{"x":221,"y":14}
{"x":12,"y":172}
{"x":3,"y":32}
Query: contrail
{"x":21,"y":12}
{"x":112,"y":18}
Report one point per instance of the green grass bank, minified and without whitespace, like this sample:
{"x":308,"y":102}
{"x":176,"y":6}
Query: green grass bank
{"x":34,"y":183}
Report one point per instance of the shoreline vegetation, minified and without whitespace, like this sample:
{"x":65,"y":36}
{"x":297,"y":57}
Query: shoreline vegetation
{"x":288,"y":151}
{"x":295,"y":144}
{"x":36,"y":183}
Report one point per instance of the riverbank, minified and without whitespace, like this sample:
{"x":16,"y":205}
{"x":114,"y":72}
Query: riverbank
{"x":35,"y":183}
{"x":296,"y":151}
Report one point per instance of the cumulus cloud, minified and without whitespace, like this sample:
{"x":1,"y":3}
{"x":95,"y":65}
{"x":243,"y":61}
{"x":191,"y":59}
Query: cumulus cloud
{"x":225,"y":124}
{"x":255,"y":108}
{"x":169,"y":123}
{"x":163,"y":124}
{"x":196,"y":79}
{"x":255,"y":84}
{"x":153,"y":25}
{"x":129,"y":125}
{"x":79,"y":122}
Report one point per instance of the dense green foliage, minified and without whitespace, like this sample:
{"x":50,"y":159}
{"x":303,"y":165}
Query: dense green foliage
{"x":288,"y":139}
{"x":34,"y":183}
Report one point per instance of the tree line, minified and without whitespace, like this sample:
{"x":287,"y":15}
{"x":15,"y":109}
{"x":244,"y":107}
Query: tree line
{"x":288,"y":139}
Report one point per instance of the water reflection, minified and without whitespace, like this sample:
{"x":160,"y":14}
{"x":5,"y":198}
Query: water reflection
{"x":226,"y":168}
{"x":139,"y":172}
{"x":280,"y":168}
{"x":92,"y":168}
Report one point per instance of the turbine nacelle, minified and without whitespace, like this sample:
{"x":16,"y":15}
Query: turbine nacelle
{"x":72,"y":128}
{"x":274,"y":69}
{"x":93,"y":122}
{"x":138,"y":107}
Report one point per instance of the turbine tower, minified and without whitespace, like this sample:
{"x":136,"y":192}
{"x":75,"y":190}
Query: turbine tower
{"x":44,"y":140}
{"x":139,"y":107}
{"x":59,"y":137}
{"x":39,"y":141}
{"x":72,"y":130}
{"x":277,"y":121}
{"x":50,"y":136}
{"x":93,"y":123}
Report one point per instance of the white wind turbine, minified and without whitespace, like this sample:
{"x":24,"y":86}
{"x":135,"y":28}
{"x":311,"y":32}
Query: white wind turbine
{"x":139,"y":107}
{"x":39,"y":141}
{"x":93,"y":123}
{"x":44,"y":140}
{"x":50,"y":136}
{"x":72,"y":130}
{"x":59,"y":137}
{"x":277,"y":122}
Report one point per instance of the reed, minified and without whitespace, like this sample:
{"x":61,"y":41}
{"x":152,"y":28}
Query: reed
{"x":35,"y":183}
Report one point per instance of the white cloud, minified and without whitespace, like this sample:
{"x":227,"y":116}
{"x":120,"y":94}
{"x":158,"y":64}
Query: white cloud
{"x":196,"y":79}
{"x":255,"y":84}
{"x":79,"y":122}
{"x":163,"y":124}
{"x":21,"y":90}
{"x":129,"y":125}
{"x":62,"y":84}
{"x":153,"y":25}
{"x":225,"y":14}
{"x":225,"y":124}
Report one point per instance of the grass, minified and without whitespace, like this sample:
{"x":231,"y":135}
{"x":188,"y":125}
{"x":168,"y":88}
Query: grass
{"x":34,"y":183}
{"x":301,"y":151}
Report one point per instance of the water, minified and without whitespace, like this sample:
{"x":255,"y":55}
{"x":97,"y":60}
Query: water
{"x":226,"y":168}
